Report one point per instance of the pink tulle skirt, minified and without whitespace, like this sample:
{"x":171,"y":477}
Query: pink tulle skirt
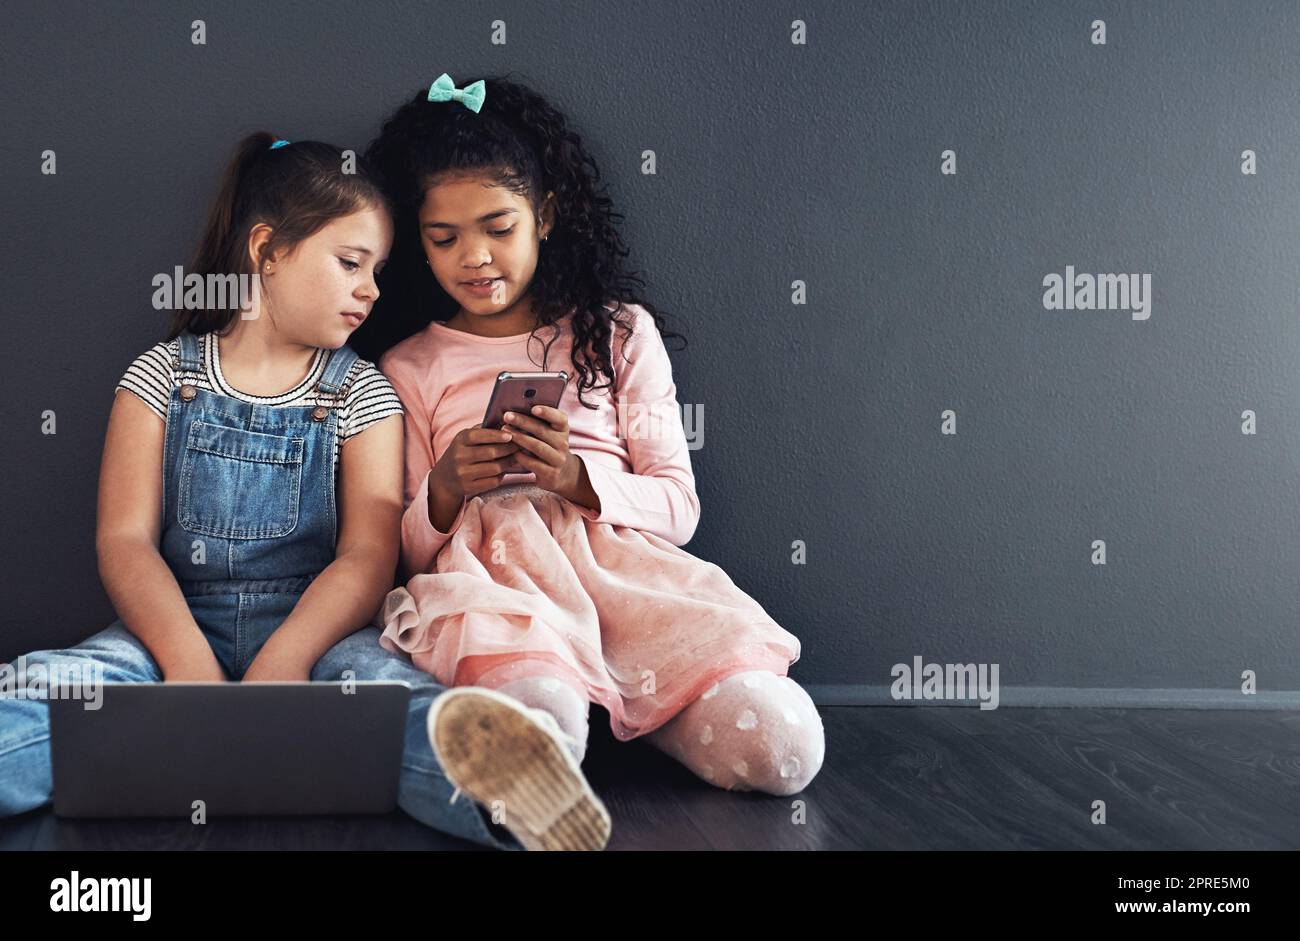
{"x":528,"y":586}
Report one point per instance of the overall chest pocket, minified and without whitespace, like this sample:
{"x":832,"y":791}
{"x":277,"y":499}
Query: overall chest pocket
{"x":238,"y":484}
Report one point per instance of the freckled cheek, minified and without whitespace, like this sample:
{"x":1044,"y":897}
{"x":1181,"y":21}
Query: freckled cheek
{"x":322,"y":290}
{"x":342,"y":284}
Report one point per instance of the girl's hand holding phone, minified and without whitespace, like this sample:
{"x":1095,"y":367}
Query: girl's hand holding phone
{"x":471,"y":465}
{"x":544,"y":448}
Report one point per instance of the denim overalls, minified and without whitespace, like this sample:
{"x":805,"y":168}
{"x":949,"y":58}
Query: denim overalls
{"x":249,"y":520}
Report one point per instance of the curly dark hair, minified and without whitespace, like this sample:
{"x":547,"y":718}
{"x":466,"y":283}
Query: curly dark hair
{"x":524,"y":144}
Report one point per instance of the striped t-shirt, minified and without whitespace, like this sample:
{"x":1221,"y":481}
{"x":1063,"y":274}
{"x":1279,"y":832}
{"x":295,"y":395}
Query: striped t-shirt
{"x":369,"y":398}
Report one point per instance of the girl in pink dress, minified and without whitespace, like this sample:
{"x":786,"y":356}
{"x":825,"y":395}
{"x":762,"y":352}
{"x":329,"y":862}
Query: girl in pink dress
{"x":543,"y":560}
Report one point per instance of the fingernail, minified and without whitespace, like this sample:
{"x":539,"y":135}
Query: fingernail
{"x":510,"y":416}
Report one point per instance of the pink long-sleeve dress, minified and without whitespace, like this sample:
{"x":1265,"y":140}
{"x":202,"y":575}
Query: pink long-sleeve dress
{"x":528,"y":583}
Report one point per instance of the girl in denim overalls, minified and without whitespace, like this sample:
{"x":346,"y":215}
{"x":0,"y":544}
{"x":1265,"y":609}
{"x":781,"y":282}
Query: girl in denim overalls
{"x":250,"y":520}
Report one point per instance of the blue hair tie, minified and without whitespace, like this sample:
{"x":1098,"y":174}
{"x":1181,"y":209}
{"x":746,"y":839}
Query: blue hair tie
{"x":280,"y":143}
{"x":471,"y":96}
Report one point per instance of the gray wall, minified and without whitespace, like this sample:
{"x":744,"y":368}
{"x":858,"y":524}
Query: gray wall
{"x":778,"y":162}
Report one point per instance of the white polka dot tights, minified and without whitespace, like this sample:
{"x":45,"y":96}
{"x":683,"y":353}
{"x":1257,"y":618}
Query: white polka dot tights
{"x":754,"y":731}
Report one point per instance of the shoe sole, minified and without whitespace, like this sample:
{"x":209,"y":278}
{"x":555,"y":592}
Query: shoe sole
{"x":493,"y":751}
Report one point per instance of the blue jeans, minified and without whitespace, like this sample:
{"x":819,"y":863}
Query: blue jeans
{"x":423,"y":790}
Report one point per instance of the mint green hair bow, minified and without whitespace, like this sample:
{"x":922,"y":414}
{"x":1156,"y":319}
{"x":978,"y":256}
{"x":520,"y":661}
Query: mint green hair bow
{"x":471,"y":96}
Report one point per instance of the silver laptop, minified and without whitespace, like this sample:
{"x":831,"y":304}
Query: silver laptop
{"x":243,"y":749}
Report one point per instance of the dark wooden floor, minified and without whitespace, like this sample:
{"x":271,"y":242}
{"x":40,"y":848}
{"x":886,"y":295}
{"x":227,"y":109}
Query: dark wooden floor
{"x":894,"y":778}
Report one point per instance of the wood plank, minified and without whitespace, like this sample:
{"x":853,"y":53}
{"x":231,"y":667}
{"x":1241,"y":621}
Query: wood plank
{"x":949,"y":793}
{"x":1154,"y":797}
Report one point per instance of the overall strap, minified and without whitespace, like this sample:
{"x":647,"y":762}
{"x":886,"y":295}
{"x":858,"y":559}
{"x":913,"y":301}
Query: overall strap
{"x":341,"y":360}
{"x":191,"y":359}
